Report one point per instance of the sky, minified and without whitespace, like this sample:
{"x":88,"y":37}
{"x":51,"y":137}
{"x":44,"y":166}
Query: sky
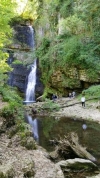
{"x":21,"y":5}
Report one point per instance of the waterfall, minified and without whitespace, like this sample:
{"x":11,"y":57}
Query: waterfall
{"x":30,"y":90}
{"x":25,"y":36}
{"x":31,"y":37}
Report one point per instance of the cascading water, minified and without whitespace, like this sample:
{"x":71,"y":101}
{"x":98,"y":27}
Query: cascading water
{"x":30,"y":41}
{"x":31,"y":83}
{"x":25,"y":35}
{"x":30,"y":90}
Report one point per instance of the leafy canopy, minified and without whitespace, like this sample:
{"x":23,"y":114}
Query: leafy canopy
{"x":72,"y":37}
{"x":7,"y":12}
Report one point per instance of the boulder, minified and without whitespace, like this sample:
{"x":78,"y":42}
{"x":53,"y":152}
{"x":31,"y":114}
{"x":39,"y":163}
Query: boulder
{"x":6,"y":170}
{"x":78,"y":164}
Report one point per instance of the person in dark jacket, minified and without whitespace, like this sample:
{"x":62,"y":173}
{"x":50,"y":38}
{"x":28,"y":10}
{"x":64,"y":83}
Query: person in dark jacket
{"x":54,"y":97}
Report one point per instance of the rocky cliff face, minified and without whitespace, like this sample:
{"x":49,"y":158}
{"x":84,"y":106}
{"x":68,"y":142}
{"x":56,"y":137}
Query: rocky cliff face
{"x":19,"y":75}
{"x":21,"y":50}
{"x":71,"y":79}
{"x":63,"y":81}
{"x":17,"y":78}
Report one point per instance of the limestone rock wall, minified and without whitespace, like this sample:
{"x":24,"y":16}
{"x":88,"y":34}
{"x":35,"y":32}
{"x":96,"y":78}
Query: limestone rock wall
{"x":17,"y":78}
{"x":71,"y":79}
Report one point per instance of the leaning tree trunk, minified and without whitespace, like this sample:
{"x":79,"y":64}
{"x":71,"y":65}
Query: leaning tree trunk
{"x":70,"y":145}
{"x":78,"y":149}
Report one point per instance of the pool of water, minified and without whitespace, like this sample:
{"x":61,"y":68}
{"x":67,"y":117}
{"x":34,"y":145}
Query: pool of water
{"x":49,"y":128}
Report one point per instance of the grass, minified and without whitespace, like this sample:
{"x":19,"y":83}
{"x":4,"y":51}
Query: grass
{"x":91,"y":92}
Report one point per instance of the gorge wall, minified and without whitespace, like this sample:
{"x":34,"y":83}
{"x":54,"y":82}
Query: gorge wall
{"x":61,"y":81}
{"x":71,"y":79}
{"x":21,"y":57}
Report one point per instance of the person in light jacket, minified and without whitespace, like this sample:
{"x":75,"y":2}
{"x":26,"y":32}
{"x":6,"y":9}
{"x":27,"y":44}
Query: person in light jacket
{"x":83,"y":101}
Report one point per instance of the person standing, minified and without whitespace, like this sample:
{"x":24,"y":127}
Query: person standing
{"x":54,"y":97}
{"x":73,"y":94}
{"x":83,"y":101}
{"x":70,"y":95}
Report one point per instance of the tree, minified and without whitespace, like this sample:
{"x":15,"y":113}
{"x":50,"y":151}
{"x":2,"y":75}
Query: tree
{"x":7,"y":12}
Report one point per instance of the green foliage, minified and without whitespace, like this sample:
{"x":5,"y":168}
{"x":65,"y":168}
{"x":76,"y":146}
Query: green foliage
{"x":72,"y":25}
{"x":14,"y":107}
{"x":45,"y":44}
{"x":9,"y":94}
{"x":66,"y":8}
{"x":4,"y":67}
{"x":30,"y":10}
{"x":75,"y":39}
{"x":93,"y":91}
{"x":50,"y":105}
{"x":8,"y":111}
{"x":92,"y":75}
{"x":12,"y":110}
{"x":11,"y":114}
{"x":17,"y":62}
{"x":3,"y":80}
{"x":7,"y":12}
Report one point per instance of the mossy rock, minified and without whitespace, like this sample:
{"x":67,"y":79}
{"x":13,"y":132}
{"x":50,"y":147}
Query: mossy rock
{"x":12,"y":131}
{"x":29,"y":170}
{"x":6,"y":171}
{"x":29,"y":143}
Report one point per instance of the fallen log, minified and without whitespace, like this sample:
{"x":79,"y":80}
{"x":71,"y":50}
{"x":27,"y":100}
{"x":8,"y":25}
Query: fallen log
{"x":78,"y":149}
{"x":72,"y":104}
{"x":40,"y":98}
{"x":70,"y":146}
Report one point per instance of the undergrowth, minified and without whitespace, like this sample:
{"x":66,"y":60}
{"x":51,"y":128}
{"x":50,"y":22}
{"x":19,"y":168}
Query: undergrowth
{"x":92,"y":92}
{"x":50,"y":105}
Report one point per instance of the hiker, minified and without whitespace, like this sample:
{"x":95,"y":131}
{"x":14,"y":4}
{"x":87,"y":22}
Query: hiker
{"x":70,"y":95}
{"x":54,"y":97}
{"x":83,"y":101}
{"x":73,"y":94}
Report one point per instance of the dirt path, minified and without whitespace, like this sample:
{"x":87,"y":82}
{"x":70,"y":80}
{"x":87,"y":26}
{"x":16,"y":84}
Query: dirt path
{"x":90,"y":112}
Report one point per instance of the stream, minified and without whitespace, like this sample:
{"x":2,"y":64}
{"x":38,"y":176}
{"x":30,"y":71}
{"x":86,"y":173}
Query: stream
{"x":49,"y":128}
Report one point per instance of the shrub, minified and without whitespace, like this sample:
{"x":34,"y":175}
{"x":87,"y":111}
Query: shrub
{"x":50,"y":105}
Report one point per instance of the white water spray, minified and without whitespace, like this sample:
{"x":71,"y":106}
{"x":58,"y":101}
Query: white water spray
{"x":30,"y":90}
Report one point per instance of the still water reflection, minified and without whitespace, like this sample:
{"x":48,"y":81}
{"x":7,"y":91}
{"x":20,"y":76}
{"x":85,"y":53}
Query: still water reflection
{"x":49,"y":128}
{"x":34,"y":126}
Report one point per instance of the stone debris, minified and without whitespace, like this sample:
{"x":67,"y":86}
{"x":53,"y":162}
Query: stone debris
{"x":18,"y":162}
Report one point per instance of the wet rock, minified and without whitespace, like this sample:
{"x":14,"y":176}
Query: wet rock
{"x":78,"y":164}
{"x":18,"y":76}
{"x":45,"y":168}
{"x":54,"y":155}
{"x":34,"y":111}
